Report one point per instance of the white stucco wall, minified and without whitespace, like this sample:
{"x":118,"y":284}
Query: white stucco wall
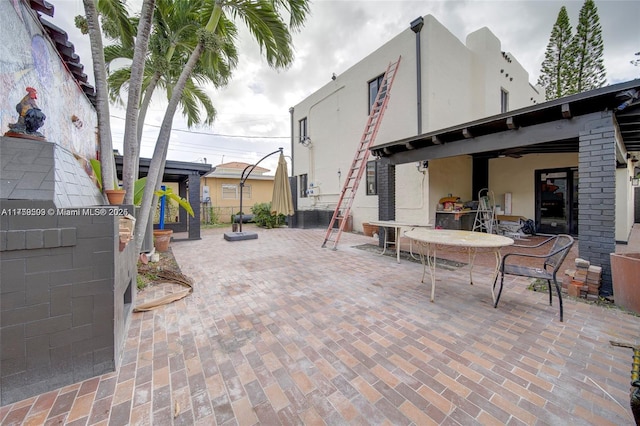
{"x":459,"y":83}
{"x":449,"y":176}
{"x":624,"y":203}
{"x":29,"y":59}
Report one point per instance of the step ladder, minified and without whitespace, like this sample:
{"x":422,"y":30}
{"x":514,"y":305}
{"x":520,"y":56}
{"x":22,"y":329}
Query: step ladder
{"x":359,"y":164}
{"x":485,"y":220}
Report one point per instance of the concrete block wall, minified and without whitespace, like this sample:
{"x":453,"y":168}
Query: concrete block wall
{"x":596,"y":200}
{"x":66,"y":292}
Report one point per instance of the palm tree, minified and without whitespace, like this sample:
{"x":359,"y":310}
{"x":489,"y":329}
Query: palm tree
{"x":115,"y":11}
{"x":173,"y":37}
{"x":264,"y":20}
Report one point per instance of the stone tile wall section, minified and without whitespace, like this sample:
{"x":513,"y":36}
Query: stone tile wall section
{"x":58,"y":298}
{"x":66,"y":289}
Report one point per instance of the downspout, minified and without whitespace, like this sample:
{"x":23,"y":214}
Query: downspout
{"x":416,"y":26}
{"x":291,"y":110}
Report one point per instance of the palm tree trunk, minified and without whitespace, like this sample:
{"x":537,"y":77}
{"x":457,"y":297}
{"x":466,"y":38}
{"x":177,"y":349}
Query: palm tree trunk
{"x":131,"y":146}
{"x":156,"y":168}
{"x":102,"y":98}
{"x":144,"y":106}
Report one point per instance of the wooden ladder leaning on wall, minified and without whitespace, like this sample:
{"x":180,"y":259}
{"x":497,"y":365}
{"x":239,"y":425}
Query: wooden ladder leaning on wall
{"x":359,"y":164}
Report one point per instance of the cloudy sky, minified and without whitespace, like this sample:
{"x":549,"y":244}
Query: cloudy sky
{"x":253,"y":110}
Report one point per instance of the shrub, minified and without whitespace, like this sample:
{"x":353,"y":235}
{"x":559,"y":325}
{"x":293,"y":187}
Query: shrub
{"x":262,"y":216}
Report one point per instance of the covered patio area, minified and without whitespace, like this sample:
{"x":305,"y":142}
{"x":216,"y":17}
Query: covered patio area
{"x":280,"y":331}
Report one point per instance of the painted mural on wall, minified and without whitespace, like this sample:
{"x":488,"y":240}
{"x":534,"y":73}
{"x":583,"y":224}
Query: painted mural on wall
{"x":29,"y":59}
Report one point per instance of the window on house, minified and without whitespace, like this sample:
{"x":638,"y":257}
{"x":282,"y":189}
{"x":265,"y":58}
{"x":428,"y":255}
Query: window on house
{"x":372,"y":187}
{"x":374,"y":86}
{"x":303,"y":186}
{"x":229,"y":192}
{"x":504,"y":100}
{"x":302,"y":130}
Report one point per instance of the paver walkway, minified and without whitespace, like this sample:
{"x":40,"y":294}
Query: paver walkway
{"x":281,"y":331}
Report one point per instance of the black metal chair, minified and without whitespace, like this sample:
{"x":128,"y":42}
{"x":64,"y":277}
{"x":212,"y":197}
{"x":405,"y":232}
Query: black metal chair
{"x":552,"y":260}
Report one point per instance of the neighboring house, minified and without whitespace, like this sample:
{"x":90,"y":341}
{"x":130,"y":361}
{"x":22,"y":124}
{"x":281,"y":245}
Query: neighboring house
{"x":458,"y":82}
{"x":66,"y":281}
{"x":221,"y":189}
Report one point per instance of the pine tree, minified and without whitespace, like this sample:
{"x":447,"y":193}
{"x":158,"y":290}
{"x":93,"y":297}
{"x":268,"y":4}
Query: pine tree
{"x":555,"y":73}
{"x":587,"y":51}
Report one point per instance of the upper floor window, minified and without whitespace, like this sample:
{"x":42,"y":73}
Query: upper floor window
{"x":302,"y":130}
{"x":504,"y":100}
{"x":372,"y":187}
{"x":374,"y":86}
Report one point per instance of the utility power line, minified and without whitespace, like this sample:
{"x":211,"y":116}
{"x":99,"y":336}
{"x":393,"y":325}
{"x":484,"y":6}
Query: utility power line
{"x":212,"y":134}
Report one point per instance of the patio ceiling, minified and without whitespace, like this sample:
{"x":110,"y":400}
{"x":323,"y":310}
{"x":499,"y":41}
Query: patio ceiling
{"x":550,"y":127}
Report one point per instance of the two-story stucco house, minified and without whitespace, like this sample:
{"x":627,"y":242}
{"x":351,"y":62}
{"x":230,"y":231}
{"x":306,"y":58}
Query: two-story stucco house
{"x":441,"y":81}
{"x":462,"y":118}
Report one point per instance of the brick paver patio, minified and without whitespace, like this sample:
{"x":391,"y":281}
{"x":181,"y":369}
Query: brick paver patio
{"x":281,"y":331}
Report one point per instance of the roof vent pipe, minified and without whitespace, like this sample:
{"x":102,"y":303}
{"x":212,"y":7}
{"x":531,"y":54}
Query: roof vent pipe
{"x":416,"y":26}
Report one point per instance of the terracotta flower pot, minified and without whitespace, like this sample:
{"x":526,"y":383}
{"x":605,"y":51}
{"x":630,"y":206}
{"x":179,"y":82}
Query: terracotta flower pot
{"x":161,"y":239}
{"x":368,"y":229}
{"x":115,"y":196}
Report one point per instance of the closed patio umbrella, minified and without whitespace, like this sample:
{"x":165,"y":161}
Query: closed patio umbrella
{"x":282,"y":201}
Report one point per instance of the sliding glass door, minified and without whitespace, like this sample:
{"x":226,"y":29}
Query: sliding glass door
{"x":557,"y":201}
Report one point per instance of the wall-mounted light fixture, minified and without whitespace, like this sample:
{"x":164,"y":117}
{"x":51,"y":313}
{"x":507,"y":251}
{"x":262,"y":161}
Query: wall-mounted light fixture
{"x":306,"y":141}
{"x":422,"y":166}
{"x":635,"y":181}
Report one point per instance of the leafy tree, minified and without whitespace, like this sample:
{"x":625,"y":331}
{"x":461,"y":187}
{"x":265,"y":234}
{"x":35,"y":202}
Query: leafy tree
{"x":556,"y":71}
{"x":587,"y":49}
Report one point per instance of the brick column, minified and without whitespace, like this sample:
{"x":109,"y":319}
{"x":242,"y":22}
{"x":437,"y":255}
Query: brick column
{"x":194,"y":200}
{"x":596,"y":200}
{"x":386,"y":184}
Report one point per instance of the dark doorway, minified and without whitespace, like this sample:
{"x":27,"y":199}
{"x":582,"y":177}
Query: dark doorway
{"x":557,"y":201}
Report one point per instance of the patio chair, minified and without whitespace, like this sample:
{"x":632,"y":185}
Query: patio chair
{"x":552,"y":260}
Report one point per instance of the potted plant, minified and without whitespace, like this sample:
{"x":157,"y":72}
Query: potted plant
{"x":161,"y":236}
{"x":115,"y":196}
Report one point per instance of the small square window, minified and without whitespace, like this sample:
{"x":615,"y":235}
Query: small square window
{"x":372,"y":186}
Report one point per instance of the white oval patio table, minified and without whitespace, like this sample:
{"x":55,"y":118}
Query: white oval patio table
{"x":428,"y":240}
